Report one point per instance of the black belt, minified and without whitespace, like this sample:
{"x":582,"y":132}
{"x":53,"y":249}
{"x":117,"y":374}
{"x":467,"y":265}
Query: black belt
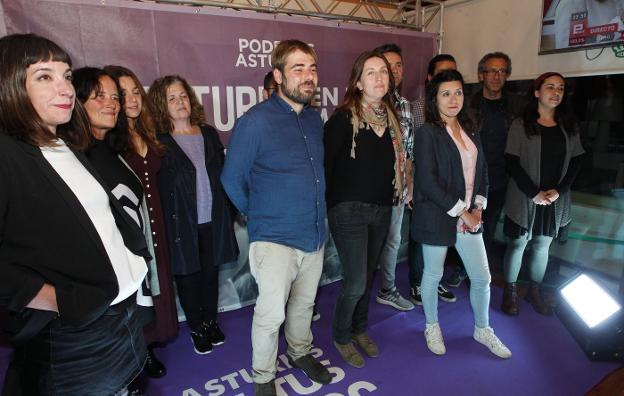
{"x":121,"y":306}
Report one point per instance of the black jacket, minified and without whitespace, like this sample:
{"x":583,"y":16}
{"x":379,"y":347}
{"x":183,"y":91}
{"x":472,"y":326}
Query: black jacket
{"x":439,"y":184}
{"x":47,"y":236}
{"x":513,"y":105}
{"x":179,"y":199}
{"x":494,"y":140}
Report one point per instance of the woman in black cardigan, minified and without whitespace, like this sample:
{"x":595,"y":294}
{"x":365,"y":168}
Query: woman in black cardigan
{"x":71,"y":259}
{"x":198,"y":216}
{"x":450,"y":190}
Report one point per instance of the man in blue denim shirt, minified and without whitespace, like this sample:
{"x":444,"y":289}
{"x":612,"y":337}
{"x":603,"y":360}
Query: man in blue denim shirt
{"x":274,"y":175}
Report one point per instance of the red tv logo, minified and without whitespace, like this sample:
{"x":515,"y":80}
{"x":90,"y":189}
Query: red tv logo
{"x":578,"y":28}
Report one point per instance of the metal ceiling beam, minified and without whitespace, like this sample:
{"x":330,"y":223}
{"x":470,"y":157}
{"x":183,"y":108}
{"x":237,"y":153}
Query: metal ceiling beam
{"x":404,"y":14}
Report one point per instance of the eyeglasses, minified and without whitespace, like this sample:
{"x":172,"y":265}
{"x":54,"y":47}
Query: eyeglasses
{"x":500,"y":72}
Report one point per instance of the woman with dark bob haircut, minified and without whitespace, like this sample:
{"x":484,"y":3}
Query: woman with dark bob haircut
{"x":71,"y":259}
{"x":450,"y":192}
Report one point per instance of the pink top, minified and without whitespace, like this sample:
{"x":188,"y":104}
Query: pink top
{"x":469,"y":166}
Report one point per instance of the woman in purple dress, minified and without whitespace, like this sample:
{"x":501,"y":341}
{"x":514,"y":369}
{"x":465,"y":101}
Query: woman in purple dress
{"x":142,"y":151}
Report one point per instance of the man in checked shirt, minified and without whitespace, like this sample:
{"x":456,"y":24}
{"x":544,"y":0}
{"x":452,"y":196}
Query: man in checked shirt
{"x":389,"y":294}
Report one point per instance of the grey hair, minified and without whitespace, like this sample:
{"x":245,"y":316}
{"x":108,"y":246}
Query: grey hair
{"x":494,"y":55}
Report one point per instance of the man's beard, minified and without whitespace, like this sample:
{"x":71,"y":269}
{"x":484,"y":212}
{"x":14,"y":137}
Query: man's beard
{"x":297,"y":95}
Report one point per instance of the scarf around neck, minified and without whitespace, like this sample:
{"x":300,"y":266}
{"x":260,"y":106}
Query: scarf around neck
{"x":380,"y":119}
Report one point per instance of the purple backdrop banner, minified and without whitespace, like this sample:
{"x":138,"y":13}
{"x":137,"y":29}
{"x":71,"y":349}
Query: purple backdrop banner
{"x":224,"y":55}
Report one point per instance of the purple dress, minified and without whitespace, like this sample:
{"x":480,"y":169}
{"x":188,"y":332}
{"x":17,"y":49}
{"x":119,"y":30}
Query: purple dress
{"x":165,"y":324}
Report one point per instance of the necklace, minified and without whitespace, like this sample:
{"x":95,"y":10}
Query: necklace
{"x":185,"y":131}
{"x":379,"y":112}
{"x":377,"y":119}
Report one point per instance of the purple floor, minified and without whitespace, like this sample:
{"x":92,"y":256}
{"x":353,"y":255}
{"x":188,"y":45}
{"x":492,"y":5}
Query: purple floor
{"x":546,"y":360}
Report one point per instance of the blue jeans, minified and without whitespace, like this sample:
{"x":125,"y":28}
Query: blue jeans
{"x":359,"y":230}
{"x":472,"y":252}
{"x":100,"y":358}
{"x":537,"y":258}
{"x":390,"y":251}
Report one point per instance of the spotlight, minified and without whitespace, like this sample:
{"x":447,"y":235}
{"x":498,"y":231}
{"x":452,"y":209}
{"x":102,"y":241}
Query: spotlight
{"x":593,"y":317}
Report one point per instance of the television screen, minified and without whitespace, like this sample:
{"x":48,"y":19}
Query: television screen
{"x":568,"y":25}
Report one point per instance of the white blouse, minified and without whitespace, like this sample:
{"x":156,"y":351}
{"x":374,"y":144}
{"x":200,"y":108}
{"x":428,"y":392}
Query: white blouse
{"x":129,"y":268}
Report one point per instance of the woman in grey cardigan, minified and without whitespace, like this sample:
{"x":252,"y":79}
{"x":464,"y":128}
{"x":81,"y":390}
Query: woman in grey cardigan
{"x":543,"y":157}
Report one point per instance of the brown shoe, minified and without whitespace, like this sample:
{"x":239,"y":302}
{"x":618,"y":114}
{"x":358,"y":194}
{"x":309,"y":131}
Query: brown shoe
{"x":510,"y":299}
{"x":537,"y":302}
{"x":349,"y":354}
{"x":367,"y":345}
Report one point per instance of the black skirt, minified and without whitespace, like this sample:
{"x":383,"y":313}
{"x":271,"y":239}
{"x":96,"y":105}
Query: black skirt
{"x":544,"y":223}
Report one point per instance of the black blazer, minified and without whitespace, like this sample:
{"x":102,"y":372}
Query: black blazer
{"x":176,"y":181}
{"x":47,"y":236}
{"x":439,"y":184}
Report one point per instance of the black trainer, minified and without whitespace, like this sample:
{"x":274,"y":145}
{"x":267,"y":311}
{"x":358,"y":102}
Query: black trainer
{"x":201,"y":341}
{"x":457,"y":277}
{"x":445,"y":295}
{"x":214,"y":332}
{"x":415,"y":295}
{"x":312,"y":368}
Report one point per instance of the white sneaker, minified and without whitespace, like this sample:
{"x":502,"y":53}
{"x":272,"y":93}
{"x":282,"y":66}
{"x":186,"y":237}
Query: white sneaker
{"x":435,"y":342}
{"x":487,"y":337}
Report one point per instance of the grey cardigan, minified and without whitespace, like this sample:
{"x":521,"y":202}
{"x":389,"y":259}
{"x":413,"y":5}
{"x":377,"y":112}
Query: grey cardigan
{"x":519,"y":207}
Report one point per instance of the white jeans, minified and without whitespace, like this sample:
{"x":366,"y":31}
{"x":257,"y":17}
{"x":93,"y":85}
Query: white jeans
{"x":287,"y":282}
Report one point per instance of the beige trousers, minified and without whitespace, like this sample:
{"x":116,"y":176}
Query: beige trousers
{"x":287,"y":282}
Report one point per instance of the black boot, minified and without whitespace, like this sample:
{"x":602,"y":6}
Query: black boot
{"x":154,"y":368}
{"x":510,"y":299}
{"x":537,"y":302}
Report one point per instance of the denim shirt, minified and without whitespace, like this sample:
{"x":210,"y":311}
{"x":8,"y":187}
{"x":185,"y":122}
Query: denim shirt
{"x":274,"y":174}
